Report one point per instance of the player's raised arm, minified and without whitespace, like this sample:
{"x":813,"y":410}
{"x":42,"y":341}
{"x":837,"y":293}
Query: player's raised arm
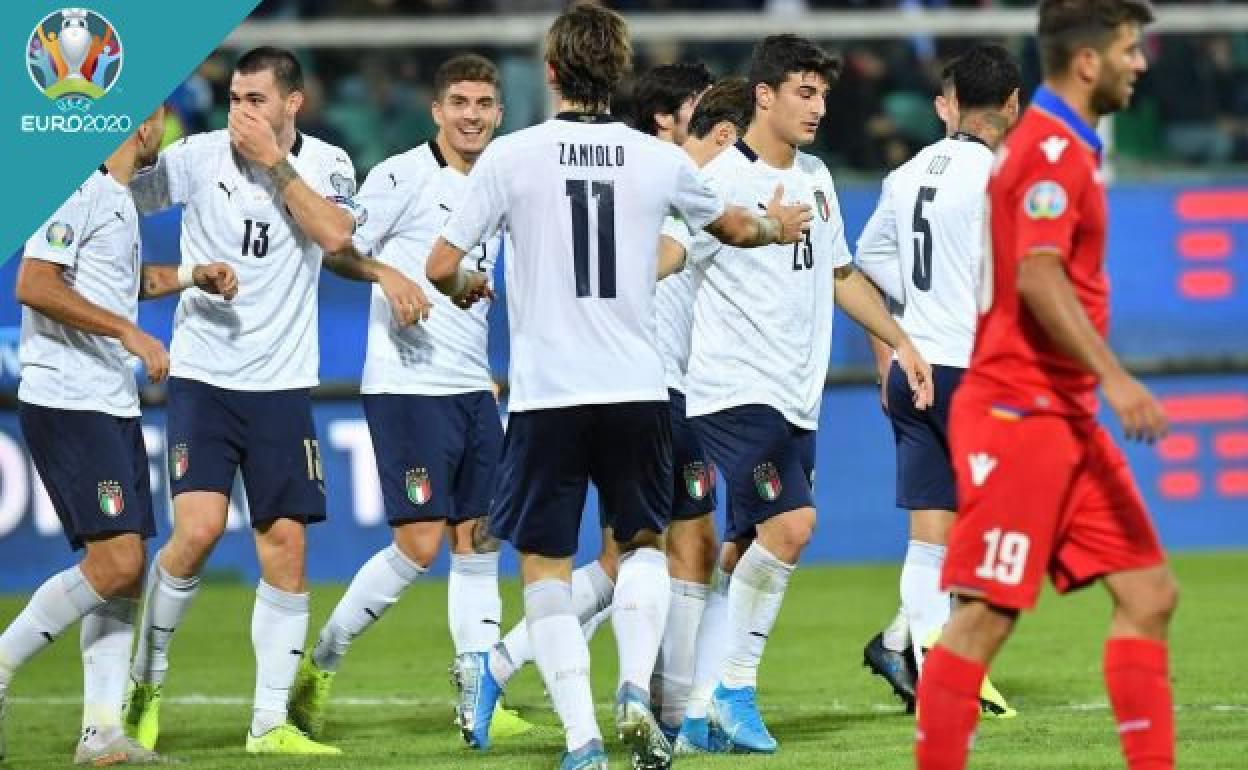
{"x":162,"y":280}
{"x":861,"y":302}
{"x":1047,"y":293}
{"x":41,"y":287}
{"x":783,"y":223}
{"x":479,"y":212}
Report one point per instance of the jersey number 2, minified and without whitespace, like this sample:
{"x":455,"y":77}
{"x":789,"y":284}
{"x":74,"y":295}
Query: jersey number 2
{"x":922,"y":237}
{"x":578,"y":192}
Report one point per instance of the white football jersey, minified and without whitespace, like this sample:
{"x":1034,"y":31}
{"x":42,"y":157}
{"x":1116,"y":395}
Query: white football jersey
{"x":266,"y":337}
{"x":673,"y":311}
{"x":403,"y":205}
{"x":584,"y":199}
{"x":95,"y":235}
{"x":923,"y":245}
{"x":762,"y":318}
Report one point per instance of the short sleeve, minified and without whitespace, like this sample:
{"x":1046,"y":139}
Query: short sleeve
{"x":1047,"y":210}
{"x":169,"y":182}
{"x":481,"y":210}
{"x":878,"y":256}
{"x":61,"y":236}
{"x":693,"y":199}
{"x":678,"y":231}
{"x":381,"y":201}
{"x":841,"y":255}
{"x":335,"y":179}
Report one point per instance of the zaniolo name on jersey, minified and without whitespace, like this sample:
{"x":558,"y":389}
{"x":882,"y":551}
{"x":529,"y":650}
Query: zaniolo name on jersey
{"x":581,"y":276}
{"x":266,"y":337}
{"x":404,"y":203}
{"x":762,"y":328}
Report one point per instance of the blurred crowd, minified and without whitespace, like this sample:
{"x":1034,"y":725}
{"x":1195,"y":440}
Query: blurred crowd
{"x":1190,"y":109}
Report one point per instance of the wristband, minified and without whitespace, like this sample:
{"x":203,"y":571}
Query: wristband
{"x":186,"y":275}
{"x":769,"y":228}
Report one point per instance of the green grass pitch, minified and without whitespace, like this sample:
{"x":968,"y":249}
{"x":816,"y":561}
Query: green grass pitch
{"x":393,"y":702}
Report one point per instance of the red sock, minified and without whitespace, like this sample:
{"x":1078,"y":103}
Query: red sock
{"x":948,"y":710}
{"x":1137,"y":676}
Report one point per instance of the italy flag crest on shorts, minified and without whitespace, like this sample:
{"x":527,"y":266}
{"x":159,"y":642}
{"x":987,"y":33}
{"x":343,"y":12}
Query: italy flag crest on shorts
{"x":109,"y":494}
{"x":767,"y":481}
{"x":419,"y":490}
{"x":697,"y":480}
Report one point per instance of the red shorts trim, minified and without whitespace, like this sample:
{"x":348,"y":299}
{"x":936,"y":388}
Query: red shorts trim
{"x":1041,"y":494}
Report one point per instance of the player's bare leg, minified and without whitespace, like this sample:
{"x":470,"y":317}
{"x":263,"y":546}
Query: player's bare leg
{"x":198,"y":522}
{"x":1137,"y":665}
{"x":374,"y":589}
{"x":691,"y":549}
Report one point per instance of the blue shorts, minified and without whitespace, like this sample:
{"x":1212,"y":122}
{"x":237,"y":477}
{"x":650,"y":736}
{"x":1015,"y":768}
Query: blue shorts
{"x":94,"y":466}
{"x":924,"y":470}
{"x":437,"y":455}
{"x":693,"y":490}
{"x":551,"y":455}
{"x":214,"y":433}
{"x":767,"y":462}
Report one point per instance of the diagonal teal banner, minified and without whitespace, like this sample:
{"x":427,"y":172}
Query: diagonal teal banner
{"x":76,"y":78}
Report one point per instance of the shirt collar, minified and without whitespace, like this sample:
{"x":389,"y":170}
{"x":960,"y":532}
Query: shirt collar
{"x":574,"y":116}
{"x":1053,"y":105}
{"x":436,"y":151}
{"x":298,"y":145}
{"x":747,"y":151}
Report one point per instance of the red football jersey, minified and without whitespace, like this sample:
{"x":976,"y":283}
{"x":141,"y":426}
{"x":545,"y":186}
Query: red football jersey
{"x":1046,"y":192}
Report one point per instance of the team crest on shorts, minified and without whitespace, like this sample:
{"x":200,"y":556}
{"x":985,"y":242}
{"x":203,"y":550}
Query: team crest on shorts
{"x":821,"y":203}
{"x":179,"y":461}
{"x":698,"y":480}
{"x":111,"y":502}
{"x":419,"y":490}
{"x":767,"y":481}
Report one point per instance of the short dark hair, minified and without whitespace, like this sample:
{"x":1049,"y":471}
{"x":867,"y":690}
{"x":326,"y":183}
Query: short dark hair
{"x":1068,"y":25}
{"x":589,"y":50}
{"x":728,"y":100}
{"x":465,"y":67}
{"x":984,"y":76}
{"x":663,"y":89}
{"x":778,"y":56}
{"x":281,"y":62}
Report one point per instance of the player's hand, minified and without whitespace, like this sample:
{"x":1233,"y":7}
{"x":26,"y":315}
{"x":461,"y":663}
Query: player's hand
{"x":1141,"y":414}
{"x":794,"y":219}
{"x":149,"y":350}
{"x":407,"y":300}
{"x":217,"y":278}
{"x":253,"y":137}
{"x":476,"y":289}
{"x":918,"y":373}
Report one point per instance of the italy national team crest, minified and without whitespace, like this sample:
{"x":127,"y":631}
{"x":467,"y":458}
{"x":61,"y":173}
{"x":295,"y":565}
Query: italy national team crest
{"x":419,"y":490}
{"x":74,"y":57}
{"x":179,"y":461}
{"x":109,"y":494}
{"x":821,"y":203}
{"x":698,"y":480}
{"x":767,"y":481}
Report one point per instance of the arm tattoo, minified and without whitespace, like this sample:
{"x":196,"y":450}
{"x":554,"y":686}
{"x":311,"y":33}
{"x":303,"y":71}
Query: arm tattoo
{"x":283,"y":174}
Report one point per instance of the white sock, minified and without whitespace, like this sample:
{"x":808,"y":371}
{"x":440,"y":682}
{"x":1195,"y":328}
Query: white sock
{"x":897,"y":636}
{"x":373,"y":590}
{"x":673,"y":673}
{"x":279,"y":626}
{"x":106,"y":635}
{"x":927,"y":607}
{"x":711,"y":647}
{"x":562,"y":657}
{"x":55,"y":606}
{"x":474,"y":610}
{"x":758,"y":586}
{"x":591,"y":602}
{"x":166,"y":600}
{"x":639,"y":612}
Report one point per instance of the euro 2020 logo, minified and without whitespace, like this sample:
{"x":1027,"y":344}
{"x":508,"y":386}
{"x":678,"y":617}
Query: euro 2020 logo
{"x":74,"y":57}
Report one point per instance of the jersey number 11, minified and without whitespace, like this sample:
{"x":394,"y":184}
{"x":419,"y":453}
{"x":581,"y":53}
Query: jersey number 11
{"x":578,"y":192}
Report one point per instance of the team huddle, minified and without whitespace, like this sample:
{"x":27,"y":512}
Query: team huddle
{"x":672,"y":276}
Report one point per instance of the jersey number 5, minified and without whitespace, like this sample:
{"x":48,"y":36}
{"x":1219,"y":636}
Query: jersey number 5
{"x":922,"y":241}
{"x":578,"y":192}
{"x":255,"y":238}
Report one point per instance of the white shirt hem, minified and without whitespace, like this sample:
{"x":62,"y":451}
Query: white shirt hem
{"x":560,"y":402}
